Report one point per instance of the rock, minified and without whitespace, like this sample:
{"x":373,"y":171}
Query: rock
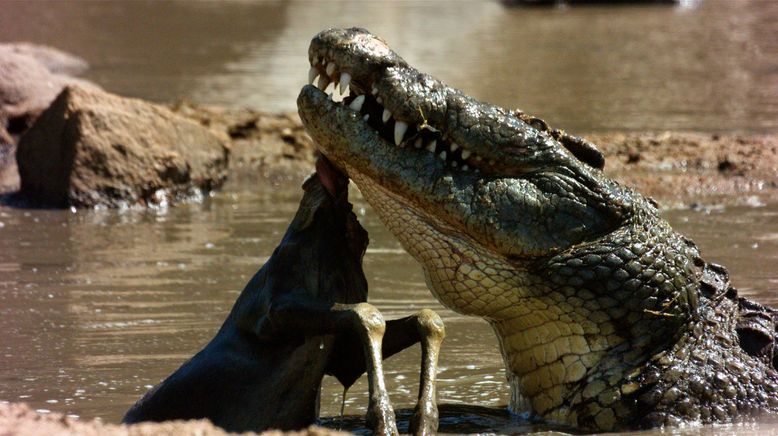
{"x":91,"y":148}
{"x":17,"y":419}
{"x":30,"y":78}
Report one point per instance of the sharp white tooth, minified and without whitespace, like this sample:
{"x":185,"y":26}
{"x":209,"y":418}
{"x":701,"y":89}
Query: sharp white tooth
{"x":356,"y":104}
{"x":454,"y":163}
{"x":378,"y":99}
{"x":312,"y":73}
{"x":323,"y":82}
{"x":478,"y":158}
{"x":345,"y":79}
{"x":400,"y":128}
{"x":366,"y":117}
{"x":417,"y":143}
{"x":324,"y":62}
{"x":374,"y":91}
{"x":442,"y":155}
{"x":431,"y":146}
{"x":465,"y":154}
{"x":465,"y":167}
{"x":330,"y":68}
{"x":454,"y":146}
{"x":386,"y":115}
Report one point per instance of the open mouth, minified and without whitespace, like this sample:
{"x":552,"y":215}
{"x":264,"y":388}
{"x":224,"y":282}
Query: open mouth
{"x":363,"y":96}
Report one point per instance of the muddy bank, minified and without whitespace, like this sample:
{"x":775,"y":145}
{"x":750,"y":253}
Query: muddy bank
{"x":686,"y":167}
{"x":18,"y":419}
{"x":673,"y":167}
{"x":262,"y":145}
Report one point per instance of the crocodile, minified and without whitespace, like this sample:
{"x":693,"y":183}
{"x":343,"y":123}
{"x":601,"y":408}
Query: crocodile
{"x":606,"y":318}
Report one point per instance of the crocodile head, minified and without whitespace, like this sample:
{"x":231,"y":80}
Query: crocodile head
{"x":472,"y":170}
{"x":511,"y":221}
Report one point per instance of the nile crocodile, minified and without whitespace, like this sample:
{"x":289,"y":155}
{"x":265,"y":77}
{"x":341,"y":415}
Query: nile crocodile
{"x":606,"y":318}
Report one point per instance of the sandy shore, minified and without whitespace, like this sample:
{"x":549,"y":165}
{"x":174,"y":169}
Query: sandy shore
{"x":20,"y":420}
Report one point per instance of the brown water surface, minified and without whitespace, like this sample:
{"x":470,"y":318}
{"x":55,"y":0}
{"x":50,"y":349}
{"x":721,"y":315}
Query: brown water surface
{"x":708,"y":65}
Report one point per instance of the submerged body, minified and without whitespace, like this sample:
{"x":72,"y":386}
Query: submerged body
{"x":606,"y":317}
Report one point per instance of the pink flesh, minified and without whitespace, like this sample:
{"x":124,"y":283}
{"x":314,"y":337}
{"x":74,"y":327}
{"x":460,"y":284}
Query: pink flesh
{"x":332,"y":179}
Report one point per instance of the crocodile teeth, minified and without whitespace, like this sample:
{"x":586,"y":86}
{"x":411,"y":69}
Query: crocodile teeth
{"x":442,"y":155}
{"x":366,"y":117}
{"x":454,"y":163}
{"x":374,"y":91}
{"x":465,"y":167}
{"x":345,"y":79}
{"x":312,"y":73}
{"x":465,"y":154}
{"x":323,"y":82}
{"x":386,"y":115}
{"x":330,"y":68}
{"x":454,"y":146}
{"x":400,"y":127}
{"x":431,"y":146}
{"x":355,"y":105}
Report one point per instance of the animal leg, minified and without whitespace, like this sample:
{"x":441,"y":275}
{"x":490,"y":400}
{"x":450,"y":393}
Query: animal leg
{"x":380,"y":414}
{"x":312,"y":318}
{"x":425,"y":327}
{"x":432,"y":332}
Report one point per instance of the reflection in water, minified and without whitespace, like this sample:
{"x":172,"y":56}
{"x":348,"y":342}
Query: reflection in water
{"x":710,"y":65}
{"x":98,"y":306}
{"x":151,"y":49}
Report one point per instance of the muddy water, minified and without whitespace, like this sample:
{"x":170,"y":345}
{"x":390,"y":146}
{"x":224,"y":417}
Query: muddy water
{"x":97,"y":306}
{"x":704,"y":65}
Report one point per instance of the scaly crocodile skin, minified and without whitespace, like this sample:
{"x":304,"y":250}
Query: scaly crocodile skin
{"x":606,"y":317}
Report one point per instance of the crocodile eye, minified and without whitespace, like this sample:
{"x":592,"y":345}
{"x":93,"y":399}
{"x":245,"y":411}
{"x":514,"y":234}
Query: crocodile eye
{"x":538,"y":124}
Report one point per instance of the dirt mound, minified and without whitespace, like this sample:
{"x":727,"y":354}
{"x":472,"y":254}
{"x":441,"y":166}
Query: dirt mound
{"x":91,"y":148}
{"x":262,"y":145}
